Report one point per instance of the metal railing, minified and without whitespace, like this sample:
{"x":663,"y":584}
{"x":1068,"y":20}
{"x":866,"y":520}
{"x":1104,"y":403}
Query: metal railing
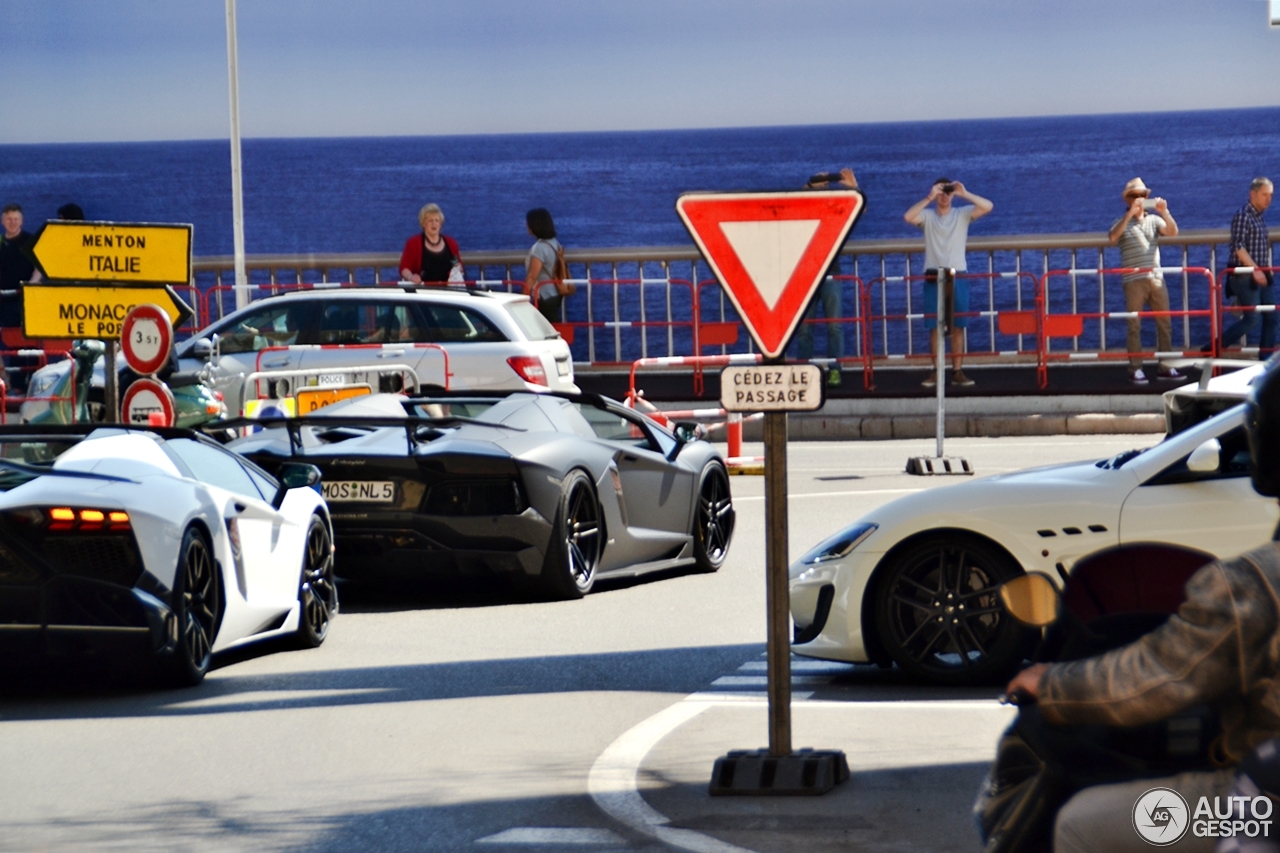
{"x":661,"y":302}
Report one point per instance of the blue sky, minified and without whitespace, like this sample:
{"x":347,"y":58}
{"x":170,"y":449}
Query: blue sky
{"x":107,"y":70}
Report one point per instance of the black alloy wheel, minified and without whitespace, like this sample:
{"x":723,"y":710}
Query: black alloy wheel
{"x":713,"y":524}
{"x":197,"y":599}
{"x":318,"y":592}
{"x":576,"y":543}
{"x":939,"y":616}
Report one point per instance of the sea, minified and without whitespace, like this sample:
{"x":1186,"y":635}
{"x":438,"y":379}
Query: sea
{"x":613,"y":189}
{"x":1059,"y":174}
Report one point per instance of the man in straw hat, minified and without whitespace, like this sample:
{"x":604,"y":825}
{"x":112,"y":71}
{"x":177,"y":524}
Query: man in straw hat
{"x":1138,"y":236}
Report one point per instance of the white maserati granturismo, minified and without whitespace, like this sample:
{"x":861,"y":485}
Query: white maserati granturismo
{"x":914,"y":582}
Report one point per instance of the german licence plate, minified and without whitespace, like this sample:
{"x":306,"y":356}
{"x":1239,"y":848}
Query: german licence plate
{"x":363,"y":491}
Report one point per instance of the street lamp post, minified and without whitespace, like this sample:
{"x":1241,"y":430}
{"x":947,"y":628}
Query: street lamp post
{"x":237,"y":194}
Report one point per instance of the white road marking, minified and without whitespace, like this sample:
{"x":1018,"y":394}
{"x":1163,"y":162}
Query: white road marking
{"x":763,"y":680}
{"x":797,"y":665}
{"x":835,"y":494}
{"x":612,"y":783}
{"x":581,"y":836}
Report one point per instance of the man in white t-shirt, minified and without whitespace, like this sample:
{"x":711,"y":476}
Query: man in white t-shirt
{"x":946,"y":231}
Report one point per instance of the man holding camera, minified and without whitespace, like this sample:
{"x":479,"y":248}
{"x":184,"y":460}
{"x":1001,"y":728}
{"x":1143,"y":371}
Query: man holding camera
{"x":946,"y":233}
{"x":828,"y":292}
{"x":1251,"y":247}
{"x":1138,"y":236}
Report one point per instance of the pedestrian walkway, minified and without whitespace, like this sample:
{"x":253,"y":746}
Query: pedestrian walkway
{"x":916,"y":754}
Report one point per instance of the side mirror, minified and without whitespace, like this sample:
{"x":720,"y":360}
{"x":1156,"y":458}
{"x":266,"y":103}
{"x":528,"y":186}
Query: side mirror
{"x":687,"y":431}
{"x":1032,"y":599}
{"x":202,"y":349}
{"x":1206,"y":458}
{"x":295,"y":475}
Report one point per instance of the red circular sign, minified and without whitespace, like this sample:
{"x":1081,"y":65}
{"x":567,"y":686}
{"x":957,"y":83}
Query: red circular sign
{"x":147,"y":403}
{"x":146,"y":338}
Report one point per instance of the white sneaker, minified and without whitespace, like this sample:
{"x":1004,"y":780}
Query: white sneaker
{"x":1170,"y":373}
{"x":1137,"y":377}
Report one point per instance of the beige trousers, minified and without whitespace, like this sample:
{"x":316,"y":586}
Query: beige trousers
{"x":1147,"y":290}
{"x":1100,"y":819}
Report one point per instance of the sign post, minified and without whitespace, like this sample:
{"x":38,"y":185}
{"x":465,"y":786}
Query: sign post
{"x":770,"y":252}
{"x":939,"y":463}
{"x":97,"y":273}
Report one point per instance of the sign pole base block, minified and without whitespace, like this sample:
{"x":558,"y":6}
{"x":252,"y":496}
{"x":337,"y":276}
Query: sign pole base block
{"x":754,"y":772}
{"x":926,"y":465}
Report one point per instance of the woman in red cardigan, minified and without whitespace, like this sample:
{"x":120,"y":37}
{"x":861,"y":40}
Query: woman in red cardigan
{"x":431,"y":257}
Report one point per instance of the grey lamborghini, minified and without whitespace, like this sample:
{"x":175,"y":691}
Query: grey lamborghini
{"x":561,"y":489}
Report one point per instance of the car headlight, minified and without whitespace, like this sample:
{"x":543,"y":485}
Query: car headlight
{"x":840,"y":545}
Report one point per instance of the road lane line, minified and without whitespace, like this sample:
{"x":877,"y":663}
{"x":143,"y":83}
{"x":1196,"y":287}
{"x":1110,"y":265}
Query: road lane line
{"x":612,"y":782}
{"x":834,"y":494}
{"x":546,"y":835}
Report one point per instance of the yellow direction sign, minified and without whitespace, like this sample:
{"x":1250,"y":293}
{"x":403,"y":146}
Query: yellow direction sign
{"x":52,"y":310}
{"x":310,"y":399}
{"x":114,"y":251}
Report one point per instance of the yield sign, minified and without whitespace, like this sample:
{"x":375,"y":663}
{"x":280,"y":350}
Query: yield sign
{"x":770,"y":250}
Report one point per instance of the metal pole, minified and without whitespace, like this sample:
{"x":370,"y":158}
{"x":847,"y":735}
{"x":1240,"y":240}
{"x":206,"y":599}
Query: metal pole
{"x":941,"y":330}
{"x":237,"y":195}
{"x":778,"y":595}
{"x":111,"y":391}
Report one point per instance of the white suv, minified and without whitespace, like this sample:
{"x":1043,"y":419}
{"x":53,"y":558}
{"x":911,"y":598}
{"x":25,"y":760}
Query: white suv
{"x":493,"y":340}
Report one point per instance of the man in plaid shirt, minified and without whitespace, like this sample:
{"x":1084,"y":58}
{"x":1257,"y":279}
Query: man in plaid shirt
{"x":1251,"y":247}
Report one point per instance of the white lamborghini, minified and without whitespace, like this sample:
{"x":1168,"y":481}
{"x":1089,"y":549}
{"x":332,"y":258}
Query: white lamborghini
{"x":159,"y":540}
{"x":914,"y":582}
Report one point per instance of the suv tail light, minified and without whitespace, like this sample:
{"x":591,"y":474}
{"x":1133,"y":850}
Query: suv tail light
{"x":529,"y":368}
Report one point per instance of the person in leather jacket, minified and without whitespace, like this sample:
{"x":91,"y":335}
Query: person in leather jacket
{"x":1222,"y":648}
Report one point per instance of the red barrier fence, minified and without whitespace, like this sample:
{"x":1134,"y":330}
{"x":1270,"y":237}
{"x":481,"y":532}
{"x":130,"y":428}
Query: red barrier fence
{"x":1072,"y":324}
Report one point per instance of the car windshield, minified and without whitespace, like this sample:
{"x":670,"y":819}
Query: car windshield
{"x":36,"y":452}
{"x":531,"y":322}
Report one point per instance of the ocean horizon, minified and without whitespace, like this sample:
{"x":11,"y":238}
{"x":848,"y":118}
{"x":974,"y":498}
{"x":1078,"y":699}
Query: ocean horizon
{"x":618,"y":188}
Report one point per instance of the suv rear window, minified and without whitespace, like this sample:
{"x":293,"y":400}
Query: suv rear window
{"x":349,"y":321}
{"x":531,"y":322}
{"x":271,"y":326}
{"x":450,"y":324}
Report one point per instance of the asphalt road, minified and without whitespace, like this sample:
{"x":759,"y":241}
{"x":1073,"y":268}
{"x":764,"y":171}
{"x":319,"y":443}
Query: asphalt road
{"x":435,"y":718}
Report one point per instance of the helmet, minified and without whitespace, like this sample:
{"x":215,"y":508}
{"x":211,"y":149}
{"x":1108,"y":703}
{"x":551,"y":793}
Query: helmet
{"x":1262,"y":423}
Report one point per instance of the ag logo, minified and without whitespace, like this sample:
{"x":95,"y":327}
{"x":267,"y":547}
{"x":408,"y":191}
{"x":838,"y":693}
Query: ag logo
{"x":1160,"y":816}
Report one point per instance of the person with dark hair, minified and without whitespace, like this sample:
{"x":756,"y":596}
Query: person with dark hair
{"x":431,"y":257}
{"x":828,"y":294}
{"x":946,"y":237}
{"x":1251,"y":247}
{"x":16,"y":266}
{"x":71,"y":212}
{"x":1219,"y":649}
{"x":542,"y":279}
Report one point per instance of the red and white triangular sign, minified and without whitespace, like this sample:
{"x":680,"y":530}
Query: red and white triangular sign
{"x":770,"y":250}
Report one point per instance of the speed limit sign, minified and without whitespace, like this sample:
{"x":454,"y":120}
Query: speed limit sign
{"x":146,"y":338}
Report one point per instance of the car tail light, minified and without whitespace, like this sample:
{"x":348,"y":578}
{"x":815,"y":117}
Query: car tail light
{"x":529,"y":368}
{"x":87,"y":520}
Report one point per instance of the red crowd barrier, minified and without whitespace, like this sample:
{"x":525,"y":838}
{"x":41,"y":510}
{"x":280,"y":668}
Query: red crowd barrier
{"x":1221,"y":294}
{"x":1072,"y":324}
{"x":1017,"y":322}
